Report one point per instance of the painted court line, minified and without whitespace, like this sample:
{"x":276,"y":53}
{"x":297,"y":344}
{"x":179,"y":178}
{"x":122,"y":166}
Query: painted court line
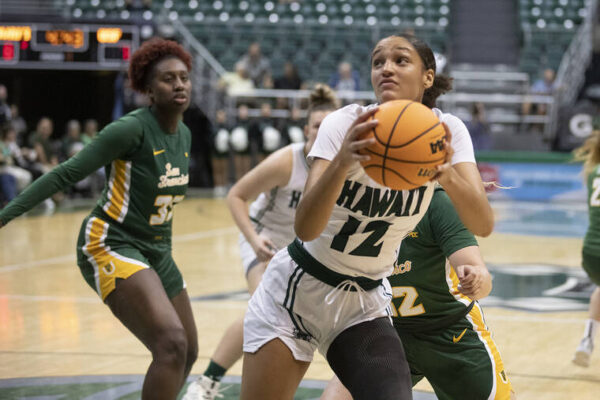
{"x":71,"y":258}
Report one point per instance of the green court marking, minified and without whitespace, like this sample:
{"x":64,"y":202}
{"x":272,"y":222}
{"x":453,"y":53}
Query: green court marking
{"x":128,"y":387}
{"x":58,"y":391}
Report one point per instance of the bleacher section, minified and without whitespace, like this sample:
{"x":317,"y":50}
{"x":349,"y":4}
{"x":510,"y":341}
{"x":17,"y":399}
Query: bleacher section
{"x":548,"y":27}
{"x":317,"y":34}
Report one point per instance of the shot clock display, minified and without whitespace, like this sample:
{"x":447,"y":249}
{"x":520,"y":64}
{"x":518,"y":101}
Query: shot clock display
{"x":66,"y":46}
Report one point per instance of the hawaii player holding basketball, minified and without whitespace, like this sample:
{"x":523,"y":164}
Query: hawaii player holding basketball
{"x":589,"y":152}
{"x":124,"y":246}
{"x":278,"y":182}
{"x":439,"y":321}
{"x":328,"y":290}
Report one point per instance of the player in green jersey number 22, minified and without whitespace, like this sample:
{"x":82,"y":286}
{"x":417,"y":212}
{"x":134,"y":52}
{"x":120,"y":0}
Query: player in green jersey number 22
{"x":124,"y":246}
{"x":439,"y":276}
{"x":589,"y":152}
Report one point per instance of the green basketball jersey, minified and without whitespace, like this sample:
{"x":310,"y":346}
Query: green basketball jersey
{"x":424,"y":285}
{"x":591,"y":243}
{"x":146,"y":174}
{"x":146,"y":182}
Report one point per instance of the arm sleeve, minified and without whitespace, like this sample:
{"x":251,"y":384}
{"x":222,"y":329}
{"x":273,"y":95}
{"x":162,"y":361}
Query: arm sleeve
{"x":115,"y":141}
{"x":448,"y":230}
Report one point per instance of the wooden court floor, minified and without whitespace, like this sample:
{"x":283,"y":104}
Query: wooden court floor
{"x":53,"y":325}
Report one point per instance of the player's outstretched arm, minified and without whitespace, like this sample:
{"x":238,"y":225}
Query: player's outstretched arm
{"x":462,"y":182}
{"x":113,"y":142}
{"x":273,"y":171}
{"x":474,"y":277}
{"x":326,"y":179}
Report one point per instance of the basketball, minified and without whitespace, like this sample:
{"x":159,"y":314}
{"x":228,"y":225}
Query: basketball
{"x":409,"y":145}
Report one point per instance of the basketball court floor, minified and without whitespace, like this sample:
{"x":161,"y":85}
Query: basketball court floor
{"x":58,"y":341}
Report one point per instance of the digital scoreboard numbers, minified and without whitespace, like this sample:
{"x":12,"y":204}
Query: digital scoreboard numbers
{"x":70,"y":46}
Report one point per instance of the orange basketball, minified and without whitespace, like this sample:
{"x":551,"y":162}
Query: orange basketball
{"x":409,"y":145}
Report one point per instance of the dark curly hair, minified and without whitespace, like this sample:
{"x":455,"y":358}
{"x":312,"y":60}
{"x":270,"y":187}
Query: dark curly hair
{"x":148,"y":55}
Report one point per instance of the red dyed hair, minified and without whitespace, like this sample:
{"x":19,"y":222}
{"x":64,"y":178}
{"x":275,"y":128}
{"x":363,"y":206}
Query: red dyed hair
{"x":146,"y":57}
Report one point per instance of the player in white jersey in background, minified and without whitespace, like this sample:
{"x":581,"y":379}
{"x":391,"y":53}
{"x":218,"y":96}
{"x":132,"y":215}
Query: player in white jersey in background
{"x":278,"y":182}
{"x":328,"y":290}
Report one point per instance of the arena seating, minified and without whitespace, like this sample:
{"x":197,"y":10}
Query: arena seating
{"x":317,"y":34}
{"x":548,"y":27}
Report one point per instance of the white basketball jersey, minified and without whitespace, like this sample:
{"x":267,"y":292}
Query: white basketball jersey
{"x":369,"y":221}
{"x":273,"y":212}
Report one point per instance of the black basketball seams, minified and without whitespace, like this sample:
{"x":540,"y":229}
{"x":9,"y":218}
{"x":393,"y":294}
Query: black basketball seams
{"x":377,"y":137}
{"x":387,"y":145}
{"x":418,"y":136}
{"x":405,"y":161}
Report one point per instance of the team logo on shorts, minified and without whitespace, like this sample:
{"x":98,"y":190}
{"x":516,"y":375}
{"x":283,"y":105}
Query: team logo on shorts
{"x":109,"y":268}
{"x":503,"y":376}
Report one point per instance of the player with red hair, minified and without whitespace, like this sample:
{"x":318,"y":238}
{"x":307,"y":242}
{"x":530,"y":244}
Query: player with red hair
{"x":124,"y":246}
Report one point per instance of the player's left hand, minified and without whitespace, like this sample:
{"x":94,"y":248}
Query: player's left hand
{"x":472,"y":279}
{"x":445,"y":170}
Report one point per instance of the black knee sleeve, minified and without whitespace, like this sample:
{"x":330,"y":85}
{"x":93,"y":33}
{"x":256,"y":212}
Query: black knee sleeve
{"x":369,"y":360}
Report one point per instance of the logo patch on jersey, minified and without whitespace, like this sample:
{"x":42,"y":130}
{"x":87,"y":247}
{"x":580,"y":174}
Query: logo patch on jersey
{"x":402,"y":268}
{"x":413,"y":234}
{"x":172,"y":177}
{"x":456,"y":339}
{"x":157,"y":152}
{"x":503,"y":376}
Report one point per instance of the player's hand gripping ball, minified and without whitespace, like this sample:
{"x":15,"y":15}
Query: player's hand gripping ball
{"x":409,"y":145}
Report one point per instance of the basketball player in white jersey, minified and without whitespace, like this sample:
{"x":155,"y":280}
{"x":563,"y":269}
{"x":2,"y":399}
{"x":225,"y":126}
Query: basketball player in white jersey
{"x":327,"y":289}
{"x":278,"y":182}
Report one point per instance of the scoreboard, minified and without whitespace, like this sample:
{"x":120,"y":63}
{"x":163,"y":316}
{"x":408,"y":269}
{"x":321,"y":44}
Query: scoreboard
{"x":67,"y":46}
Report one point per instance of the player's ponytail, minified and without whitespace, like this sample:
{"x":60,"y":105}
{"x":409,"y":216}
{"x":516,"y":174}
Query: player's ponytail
{"x":589,"y":152}
{"x":441,"y":83}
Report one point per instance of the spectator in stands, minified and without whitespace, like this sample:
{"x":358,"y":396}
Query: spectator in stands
{"x":18,"y":122}
{"x":72,"y":142}
{"x":220,"y":155}
{"x":290,"y":78}
{"x":267,"y":82}
{"x":24,"y":157}
{"x":542,"y":86}
{"x":90,"y":130}
{"x":94,"y":183}
{"x":8,"y":182}
{"x":41,"y":143}
{"x":256,"y":64}
{"x":5,"y":115}
{"x":237,"y":82}
{"x":239,"y":141}
{"x":8,"y":188}
{"x":270,"y":137}
{"x":291,"y":128}
{"x":545,"y":84}
{"x":11,"y":158}
{"x":479,"y":128}
{"x":345,"y":79}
